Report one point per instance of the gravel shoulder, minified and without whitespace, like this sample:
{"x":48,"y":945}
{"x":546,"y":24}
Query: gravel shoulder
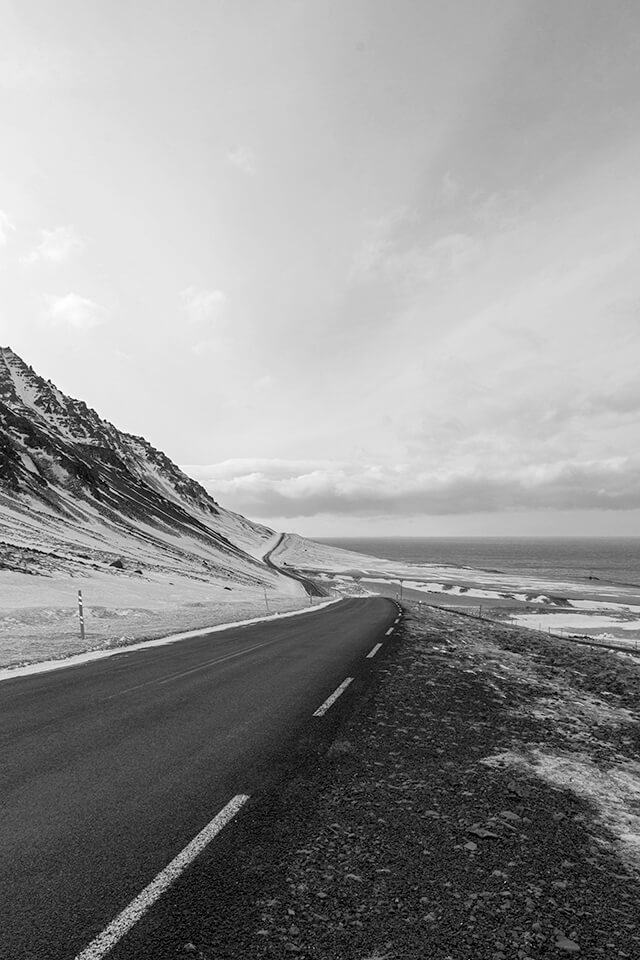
{"x":479,"y":801}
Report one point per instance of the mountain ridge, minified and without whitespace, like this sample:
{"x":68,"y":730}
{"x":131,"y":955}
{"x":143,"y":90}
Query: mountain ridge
{"x":71,"y":480}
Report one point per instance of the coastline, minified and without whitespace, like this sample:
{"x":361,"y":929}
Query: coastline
{"x":604,"y":610}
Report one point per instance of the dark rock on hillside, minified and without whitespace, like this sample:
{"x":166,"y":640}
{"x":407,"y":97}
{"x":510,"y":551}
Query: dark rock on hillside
{"x":71,"y":479}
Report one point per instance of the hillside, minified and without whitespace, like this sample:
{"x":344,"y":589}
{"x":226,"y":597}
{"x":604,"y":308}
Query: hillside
{"x":73,"y":486}
{"x":81,"y":499}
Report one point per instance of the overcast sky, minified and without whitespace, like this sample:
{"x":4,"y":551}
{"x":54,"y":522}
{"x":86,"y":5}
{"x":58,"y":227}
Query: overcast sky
{"x":364,"y":266}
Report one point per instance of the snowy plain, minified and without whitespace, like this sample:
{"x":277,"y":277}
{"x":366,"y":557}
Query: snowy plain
{"x":585,"y":608}
{"x":44,"y":666}
{"x":39,"y":617}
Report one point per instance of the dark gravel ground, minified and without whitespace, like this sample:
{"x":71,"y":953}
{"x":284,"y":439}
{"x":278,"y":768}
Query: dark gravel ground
{"x":401,"y":841}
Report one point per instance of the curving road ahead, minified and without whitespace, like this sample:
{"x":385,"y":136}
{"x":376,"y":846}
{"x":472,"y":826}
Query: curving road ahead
{"x":312,"y":588}
{"x":108,"y":769}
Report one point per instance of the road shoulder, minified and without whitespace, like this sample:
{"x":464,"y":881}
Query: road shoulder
{"x":480,"y":799}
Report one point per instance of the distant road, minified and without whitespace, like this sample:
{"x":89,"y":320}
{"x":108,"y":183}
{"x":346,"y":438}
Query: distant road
{"x":110,"y":768}
{"x":312,"y":588}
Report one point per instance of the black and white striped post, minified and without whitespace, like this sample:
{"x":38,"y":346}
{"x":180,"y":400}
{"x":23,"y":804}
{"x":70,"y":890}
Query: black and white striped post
{"x":81,"y":614}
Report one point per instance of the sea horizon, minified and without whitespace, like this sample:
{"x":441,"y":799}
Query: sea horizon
{"x":612,"y":559}
{"x":477,"y":536}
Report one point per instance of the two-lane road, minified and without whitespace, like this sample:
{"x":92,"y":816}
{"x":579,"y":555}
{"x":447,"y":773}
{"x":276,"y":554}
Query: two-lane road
{"x":109,"y":768}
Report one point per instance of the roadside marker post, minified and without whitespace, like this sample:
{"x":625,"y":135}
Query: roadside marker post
{"x":81,"y":614}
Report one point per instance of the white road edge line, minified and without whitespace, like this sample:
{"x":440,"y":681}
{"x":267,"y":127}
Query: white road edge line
{"x":116,"y":930}
{"x":374,"y":651}
{"x":334,"y":696}
{"x":77,"y":659}
{"x":389,"y":632}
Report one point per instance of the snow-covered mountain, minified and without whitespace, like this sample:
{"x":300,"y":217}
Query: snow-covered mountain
{"x":77,"y":492}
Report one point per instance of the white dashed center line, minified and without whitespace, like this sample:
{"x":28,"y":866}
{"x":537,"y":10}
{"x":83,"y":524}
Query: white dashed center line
{"x":116,"y":930}
{"x":374,"y":651}
{"x":334,"y":696}
{"x":389,"y":632}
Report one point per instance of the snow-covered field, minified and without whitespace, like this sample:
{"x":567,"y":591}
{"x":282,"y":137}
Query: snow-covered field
{"x":577,"y":621}
{"x":596,"y":626}
{"x":171,"y":581}
{"x":44,"y":666}
{"x":85,"y":506}
{"x":309,"y":555}
{"x":538,"y":602}
{"x":39,"y":614}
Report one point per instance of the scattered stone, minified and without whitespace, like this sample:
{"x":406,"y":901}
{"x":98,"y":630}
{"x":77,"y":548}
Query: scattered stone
{"x":563,"y":943}
{"x":519,"y":788}
{"x":382,"y":834}
{"x":479,"y":831}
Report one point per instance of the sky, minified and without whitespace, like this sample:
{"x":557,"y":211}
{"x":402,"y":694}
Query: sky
{"x":361,"y":267}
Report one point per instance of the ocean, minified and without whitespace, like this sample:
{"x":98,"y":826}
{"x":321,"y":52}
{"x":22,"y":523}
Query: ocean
{"x":614,"y":560}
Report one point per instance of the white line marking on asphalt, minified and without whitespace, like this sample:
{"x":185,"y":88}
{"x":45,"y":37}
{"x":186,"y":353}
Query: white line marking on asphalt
{"x":389,"y":632}
{"x":374,"y":651}
{"x":138,"y":907}
{"x":334,"y":696}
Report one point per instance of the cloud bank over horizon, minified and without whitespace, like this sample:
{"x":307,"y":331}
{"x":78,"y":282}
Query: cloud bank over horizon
{"x":294,"y":489}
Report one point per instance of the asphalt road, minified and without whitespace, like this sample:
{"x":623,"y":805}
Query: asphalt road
{"x":110,"y":768}
{"x":312,"y":588}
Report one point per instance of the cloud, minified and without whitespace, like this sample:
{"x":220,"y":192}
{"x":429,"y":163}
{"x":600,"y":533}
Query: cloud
{"x":617,"y":405}
{"x":56,"y":245}
{"x":392,"y":252}
{"x":270,"y":488}
{"x":449,"y":190}
{"x":447,"y":255}
{"x":202,"y":305}
{"x":378,"y":244}
{"x":411,"y":249}
{"x":6,"y":228}
{"x":243,"y":159}
{"x":71,"y":310}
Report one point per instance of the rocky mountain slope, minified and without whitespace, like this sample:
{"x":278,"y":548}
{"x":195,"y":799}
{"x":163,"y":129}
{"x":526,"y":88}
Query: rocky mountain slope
{"x":77,"y":492}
